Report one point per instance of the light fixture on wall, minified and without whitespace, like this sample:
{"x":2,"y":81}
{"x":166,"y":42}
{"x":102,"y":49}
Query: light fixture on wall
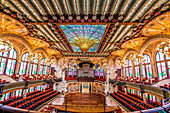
{"x":32,"y":57}
{"x":5,"y":46}
{"x":49,"y":61}
{"x":132,"y":57}
{"x":164,"y":48}
{"x":141,"y":58}
{"x":122,"y":63}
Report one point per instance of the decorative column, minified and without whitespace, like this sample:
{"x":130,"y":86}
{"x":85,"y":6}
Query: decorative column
{"x":133,"y":69}
{"x":144,"y":97}
{"x":38,"y":67}
{"x":107,"y":82}
{"x":63,"y":75}
{"x":17,"y":67}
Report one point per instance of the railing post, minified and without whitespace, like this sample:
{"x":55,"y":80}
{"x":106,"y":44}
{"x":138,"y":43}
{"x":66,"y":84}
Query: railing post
{"x":104,"y":105}
{"x":66,"y":106}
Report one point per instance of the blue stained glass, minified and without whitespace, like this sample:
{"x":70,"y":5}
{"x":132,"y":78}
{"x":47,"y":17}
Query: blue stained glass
{"x":77,"y":32}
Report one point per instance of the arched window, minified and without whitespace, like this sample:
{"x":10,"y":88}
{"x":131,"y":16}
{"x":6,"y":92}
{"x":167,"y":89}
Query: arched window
{"x":147,"y":68}
{"x":24,"y":64}
{"x":42,"y":67}
{"x":163,"y":65}
{"x":33,"y":67}
{"x":8,"y":62}
{"x":96,"y":70}
{"x":75,"y":69}
{"x":136,"y":64}
{"x":70,"y":72}
{"x":128,"y":68}
{"x":48,"y":69}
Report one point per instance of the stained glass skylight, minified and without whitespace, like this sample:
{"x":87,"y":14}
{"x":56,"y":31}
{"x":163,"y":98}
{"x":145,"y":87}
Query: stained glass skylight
{"x":84,"y":36}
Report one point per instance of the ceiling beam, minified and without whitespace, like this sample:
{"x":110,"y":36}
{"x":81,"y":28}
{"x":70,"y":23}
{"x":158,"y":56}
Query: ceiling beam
{"x":72,"y":23}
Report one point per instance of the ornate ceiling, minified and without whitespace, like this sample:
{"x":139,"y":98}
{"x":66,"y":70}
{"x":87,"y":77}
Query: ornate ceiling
{"x":67,"y":24}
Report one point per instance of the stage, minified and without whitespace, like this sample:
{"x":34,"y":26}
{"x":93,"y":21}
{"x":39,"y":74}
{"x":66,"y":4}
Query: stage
{"x":85,"y":102}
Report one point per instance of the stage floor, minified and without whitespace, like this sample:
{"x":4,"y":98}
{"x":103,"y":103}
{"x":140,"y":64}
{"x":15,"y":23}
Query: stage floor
{"x":85,"y":103}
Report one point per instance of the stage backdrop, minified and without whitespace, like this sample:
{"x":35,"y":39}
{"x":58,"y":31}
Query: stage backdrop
{"x":85,"y":87}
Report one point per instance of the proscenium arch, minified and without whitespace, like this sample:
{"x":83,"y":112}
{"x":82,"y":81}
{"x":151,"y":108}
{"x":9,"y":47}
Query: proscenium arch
{"x":130,"y":51}
{"x":160,"y":37}
{"x":8,"y":36}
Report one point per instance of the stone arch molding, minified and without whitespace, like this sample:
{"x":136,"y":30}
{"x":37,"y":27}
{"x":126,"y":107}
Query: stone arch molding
{"x":14,"y":36}
{"x":41,"y":50}
{"x":160,"y":37}
{"x":128,"y":52}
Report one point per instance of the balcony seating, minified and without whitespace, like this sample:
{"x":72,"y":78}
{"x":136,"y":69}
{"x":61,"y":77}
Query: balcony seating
{"x":131,"y":102}
{"x":100,"y":79}
{"x":142,"y":80}
{"x":154,"y":80}
{"x":165,"y":86}
{"x":148,"y":106}
{"x":70,"y":77}
{"x":32,"y":100}
{"x":124,"y":103}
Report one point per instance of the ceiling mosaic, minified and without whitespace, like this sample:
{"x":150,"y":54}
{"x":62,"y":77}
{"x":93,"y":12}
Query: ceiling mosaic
{"x":87,"y":36}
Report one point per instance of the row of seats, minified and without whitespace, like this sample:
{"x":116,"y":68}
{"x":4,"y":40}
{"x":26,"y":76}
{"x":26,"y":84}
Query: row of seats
{"x":70,"y":77}
{"x":20,"y":99}
{"x":27,"y":77}
{"x":47,"y":109}
{"x":131,"y":102}
{"x":165,"y":86}
{"x":146,"y":105}
{"x":142,"y":80}
{"x":100,"y":78}
{"x":3,"y":82}
{"x":124,"y":103}
{"x":32,"y":100}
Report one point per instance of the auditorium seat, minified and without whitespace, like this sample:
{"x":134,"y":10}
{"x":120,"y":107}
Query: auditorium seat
{"x":32,"y":100}
{"x":130,"y":100}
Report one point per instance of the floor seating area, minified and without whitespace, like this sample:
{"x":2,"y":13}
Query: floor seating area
{"x":131,"y":102}
{"x":31,"y":100}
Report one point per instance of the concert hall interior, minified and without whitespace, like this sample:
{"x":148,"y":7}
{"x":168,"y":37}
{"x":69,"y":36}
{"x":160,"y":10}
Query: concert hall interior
{"x":74,"y":56}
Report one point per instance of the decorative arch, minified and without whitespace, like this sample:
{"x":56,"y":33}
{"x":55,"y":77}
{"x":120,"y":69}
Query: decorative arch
{"x":160,"y":37}
{"x":17,"y":48}
{"x":9,"y":36}
{"x":41,"y":50}
{"x":128,"y":52}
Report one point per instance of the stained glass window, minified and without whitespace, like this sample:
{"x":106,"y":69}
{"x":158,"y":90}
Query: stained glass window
{"x":162,"y":62}
{"x":75,"y":69}
{"x":8,"y":61}
{"x":96,"y":70}
{"x":147,"y":68}
{"x":24,"y":64}
{"x":33,"y":67}
{"x":84,"y":33}
{"x":128,"y":68}
{"x":42,"y":67}
{"x":48,"y":69}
